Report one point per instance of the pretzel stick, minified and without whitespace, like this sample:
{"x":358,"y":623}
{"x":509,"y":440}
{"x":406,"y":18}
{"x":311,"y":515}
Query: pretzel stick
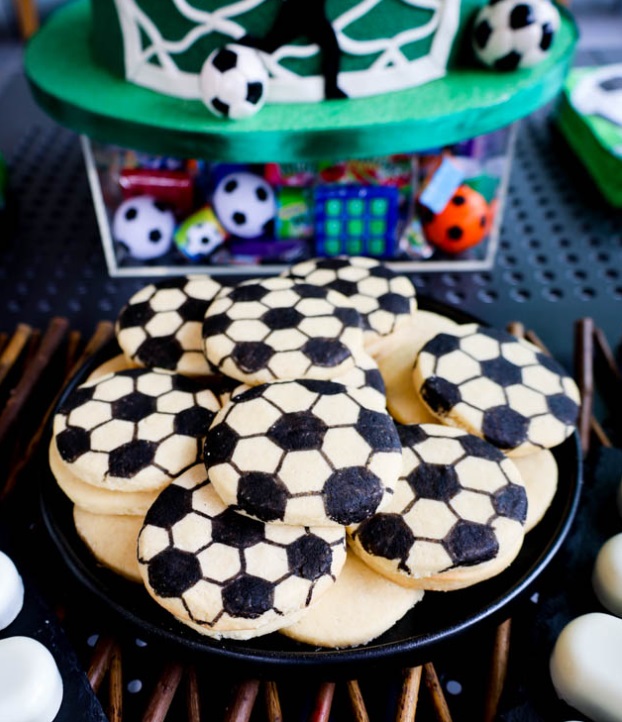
{"x":115,"y":706}
{"x":323,"y":702}
{"x":163,"y":693}
{"x":409,"y":695}
{"x":13,"y":349}
{"x":103,"y":333}
{"x":436,"y":693}
{"x":4,"y":337}
{"x":50,"y":342}
{"x":584,"y":372}
{"x":602,"y":346}
{"x":356,"y":701}
{"x":600,"y":433}
{"x":242,"y":706}
{"x":193,"y":699}
{"x":100,"y":661}
{"x":273,"y":704}
{"x":516,"y":328}
{"x":498,"y":670}
{"x":73,"y":345}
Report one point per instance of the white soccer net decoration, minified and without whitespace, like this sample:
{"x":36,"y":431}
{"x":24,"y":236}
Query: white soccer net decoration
{"x":150,"y":58}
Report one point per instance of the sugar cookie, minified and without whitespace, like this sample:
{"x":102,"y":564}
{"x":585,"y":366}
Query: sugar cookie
{"x":359,"y":607}
{"x":120,"y":362}
{"x":384,"y":298}
{"x":497,"y":386}
{"x":365,"y":375}
{"x":457,"y":515}
{"x":134,"y":430}
{"x":279,"y":328}
{"x":160,"y":325}
{"x":540,"y":475}
{"x":607,"y":575}
{"x":111,"y":538}
{"x":31,"y":687}
{"x":11,"y":591}
{"x":94,"y":498}
{"x":227,"y":575}
{"x":304,"y":452}
{"x":586,"y":666}
{"x":396,"y":359}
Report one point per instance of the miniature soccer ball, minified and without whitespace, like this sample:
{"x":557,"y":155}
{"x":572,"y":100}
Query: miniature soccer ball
{"x":200,"y":234}
{"x":233,"y":82}
{"x":161,"y":325}
{"x":462,"y":224}
{"x":144,"y":226}
{"x":510,"y":34}
{"x":245,"y":204}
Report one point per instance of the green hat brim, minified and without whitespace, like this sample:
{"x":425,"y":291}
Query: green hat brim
{"x":466,"y":103}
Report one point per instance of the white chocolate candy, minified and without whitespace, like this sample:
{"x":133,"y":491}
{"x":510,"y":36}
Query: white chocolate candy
{"x":586,"y":666}
{"x":11,"y":591}
{"x":31,"y":687}
{"x":607,"y":575}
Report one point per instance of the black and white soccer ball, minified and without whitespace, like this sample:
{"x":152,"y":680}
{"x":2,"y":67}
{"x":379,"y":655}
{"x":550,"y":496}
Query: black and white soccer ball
{"x":245,"y":204}
{"x":144,"y":226}
{"x":511,"y":34}
{"x":225,"y":574}
{"x":135,"y":429}
{"x":160,"y":326}
{"x":233,"y":82}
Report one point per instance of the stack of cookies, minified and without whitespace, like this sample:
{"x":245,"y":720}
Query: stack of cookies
{"x":308,"y":453}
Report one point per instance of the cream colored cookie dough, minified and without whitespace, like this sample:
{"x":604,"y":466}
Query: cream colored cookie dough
{"x":586,"y":666}
{"x":607,"y":575}
{"x":359,"y":607}
{"x":111,"y":539}
{"x":540,"y":475}
{"x":396,"y":357}
{"x":227,"y":575}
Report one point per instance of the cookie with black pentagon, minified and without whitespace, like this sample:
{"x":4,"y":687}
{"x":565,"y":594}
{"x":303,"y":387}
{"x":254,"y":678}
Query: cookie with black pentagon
{"x":457,"y":516}
{"x":384,"y":298}
{"x":304,"y":452}
{"x":497,"y":386}
{"x":225,"y":574}
{"x":160,"y":325}
{"x":365,"y":375}
{"x":540,"y":475}
{"x":278,"y":328}
{"x":134,"y":430}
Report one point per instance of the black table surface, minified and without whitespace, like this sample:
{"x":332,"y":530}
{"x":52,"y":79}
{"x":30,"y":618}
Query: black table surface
{"x":559,"y":260}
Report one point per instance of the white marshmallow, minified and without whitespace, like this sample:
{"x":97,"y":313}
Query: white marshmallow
{"x":607,"y":575}
{"x":586,"y":666}
{"x":31,"y":687}
{"x":11,"y":591}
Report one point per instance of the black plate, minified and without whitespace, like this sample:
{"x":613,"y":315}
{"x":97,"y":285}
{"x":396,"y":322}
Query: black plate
{"x":435,"y":621}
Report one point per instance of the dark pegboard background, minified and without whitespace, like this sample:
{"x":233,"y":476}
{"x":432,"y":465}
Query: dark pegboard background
{"x":559,"y":260}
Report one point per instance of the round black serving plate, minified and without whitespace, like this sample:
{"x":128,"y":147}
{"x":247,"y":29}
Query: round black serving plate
{"x":433,"y":623}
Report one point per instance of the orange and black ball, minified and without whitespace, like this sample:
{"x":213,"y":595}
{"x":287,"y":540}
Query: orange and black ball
{"x":462,"y":224}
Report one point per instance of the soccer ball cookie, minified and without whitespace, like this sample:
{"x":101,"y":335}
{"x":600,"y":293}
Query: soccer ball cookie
{"x":134,"y":430}
{"x":497,"y":386}
{"x":304,"y":452}
{"x":365,"y":375}
{"x":457,"y":516}
{"x":384,"y":298}
{"x":279,"y":328}
{"x":160,"y":326}
{"x":227,"y":575}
